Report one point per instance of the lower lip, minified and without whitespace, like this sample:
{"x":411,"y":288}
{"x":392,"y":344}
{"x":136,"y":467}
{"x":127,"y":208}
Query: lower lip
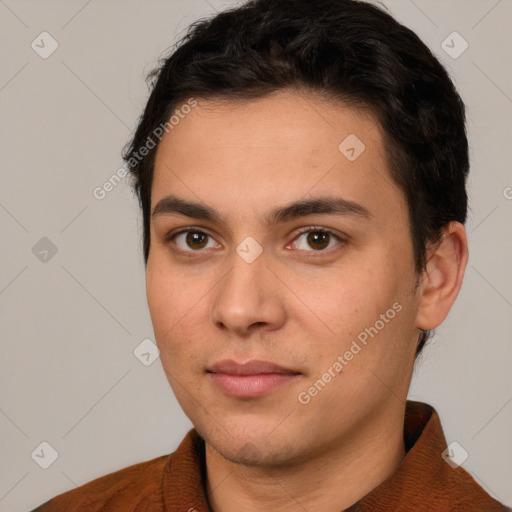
{"x":250,"y":386}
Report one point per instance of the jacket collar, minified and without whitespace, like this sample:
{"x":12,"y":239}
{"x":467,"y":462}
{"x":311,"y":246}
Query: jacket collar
{"x":424,"y":481}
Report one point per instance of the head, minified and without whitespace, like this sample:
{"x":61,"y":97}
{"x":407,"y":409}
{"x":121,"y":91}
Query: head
{"x":270,"y":118}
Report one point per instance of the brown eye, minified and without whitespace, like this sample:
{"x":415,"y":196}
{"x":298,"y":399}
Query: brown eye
{"x":196,"y":239}
{"x":192,"y":241}
{"x":316,"y":240}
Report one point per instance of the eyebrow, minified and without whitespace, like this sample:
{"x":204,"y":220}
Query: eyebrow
{"x":317,"y":205}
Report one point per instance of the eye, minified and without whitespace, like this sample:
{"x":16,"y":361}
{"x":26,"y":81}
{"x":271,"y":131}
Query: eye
{"x":191,"y":240}
{"x":319,"y":239}
{"x":310,"y":239}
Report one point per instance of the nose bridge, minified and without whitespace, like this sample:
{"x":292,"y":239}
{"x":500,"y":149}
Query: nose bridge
{"x":245,"y":280}
{"x":243,"y":297}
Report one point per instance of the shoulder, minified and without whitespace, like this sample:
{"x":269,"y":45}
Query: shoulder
{"x":135,"y":487}
{"x":467,"y":495}
{"x":433,"y":469}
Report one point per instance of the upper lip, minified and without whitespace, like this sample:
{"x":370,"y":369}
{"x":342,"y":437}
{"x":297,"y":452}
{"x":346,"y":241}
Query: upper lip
{"x":254,"y":367}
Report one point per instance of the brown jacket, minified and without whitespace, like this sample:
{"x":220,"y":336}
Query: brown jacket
{"x":424,"y":481}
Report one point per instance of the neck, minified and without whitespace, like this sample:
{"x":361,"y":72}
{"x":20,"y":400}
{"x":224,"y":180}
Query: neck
{"x":333,"y":481}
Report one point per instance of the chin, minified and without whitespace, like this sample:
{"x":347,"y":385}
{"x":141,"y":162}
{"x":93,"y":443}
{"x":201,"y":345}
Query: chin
{"x":253,"y":454}
{"x":250,"y":448}
{"x":249,"y":454}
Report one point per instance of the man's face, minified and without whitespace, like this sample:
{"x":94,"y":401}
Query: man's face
{"x":295,"y":299}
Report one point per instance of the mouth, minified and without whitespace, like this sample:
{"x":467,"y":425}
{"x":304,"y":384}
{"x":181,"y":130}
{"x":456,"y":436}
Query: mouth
{"x":249,"y":380}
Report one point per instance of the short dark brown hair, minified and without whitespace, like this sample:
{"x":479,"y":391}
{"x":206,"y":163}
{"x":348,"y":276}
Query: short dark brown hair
{"x":346,"y":50}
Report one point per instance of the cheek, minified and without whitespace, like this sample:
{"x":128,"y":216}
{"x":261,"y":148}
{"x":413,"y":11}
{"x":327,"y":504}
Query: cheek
{"x":170,"y":296}
{"x":178,"y":318}
{"x":160,"y":302}
{"x":366,"y":303}
{"x":166,"y":309}
{"x":348,"y":299}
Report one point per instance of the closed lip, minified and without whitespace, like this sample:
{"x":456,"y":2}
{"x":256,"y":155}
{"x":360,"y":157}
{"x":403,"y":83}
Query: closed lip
{"x":254,"y":367}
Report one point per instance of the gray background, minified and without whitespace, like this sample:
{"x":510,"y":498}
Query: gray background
{"x":70,"y":324}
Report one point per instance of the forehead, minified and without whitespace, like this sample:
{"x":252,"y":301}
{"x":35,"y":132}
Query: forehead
{"x":274,"y":149}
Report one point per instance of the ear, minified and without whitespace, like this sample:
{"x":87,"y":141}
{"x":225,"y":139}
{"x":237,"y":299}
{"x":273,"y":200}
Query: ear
{"x":442,"y":278}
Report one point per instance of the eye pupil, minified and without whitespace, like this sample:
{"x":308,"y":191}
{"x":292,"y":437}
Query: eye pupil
{"x":316,"y":238}
{"x":196,"y":239}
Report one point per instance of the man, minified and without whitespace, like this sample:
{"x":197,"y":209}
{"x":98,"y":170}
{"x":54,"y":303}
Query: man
{"x":303,"y":209}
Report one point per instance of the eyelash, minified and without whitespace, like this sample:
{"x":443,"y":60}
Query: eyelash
{"x":310,"y":229}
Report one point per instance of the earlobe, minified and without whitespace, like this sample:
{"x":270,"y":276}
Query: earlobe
{"x":442,"y":278}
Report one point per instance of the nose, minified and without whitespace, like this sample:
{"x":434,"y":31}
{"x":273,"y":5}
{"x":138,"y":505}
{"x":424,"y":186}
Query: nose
{"x":248,"y":298}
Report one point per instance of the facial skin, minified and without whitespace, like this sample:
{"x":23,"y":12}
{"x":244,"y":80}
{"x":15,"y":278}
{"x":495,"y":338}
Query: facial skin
{"x":297,"y":304}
